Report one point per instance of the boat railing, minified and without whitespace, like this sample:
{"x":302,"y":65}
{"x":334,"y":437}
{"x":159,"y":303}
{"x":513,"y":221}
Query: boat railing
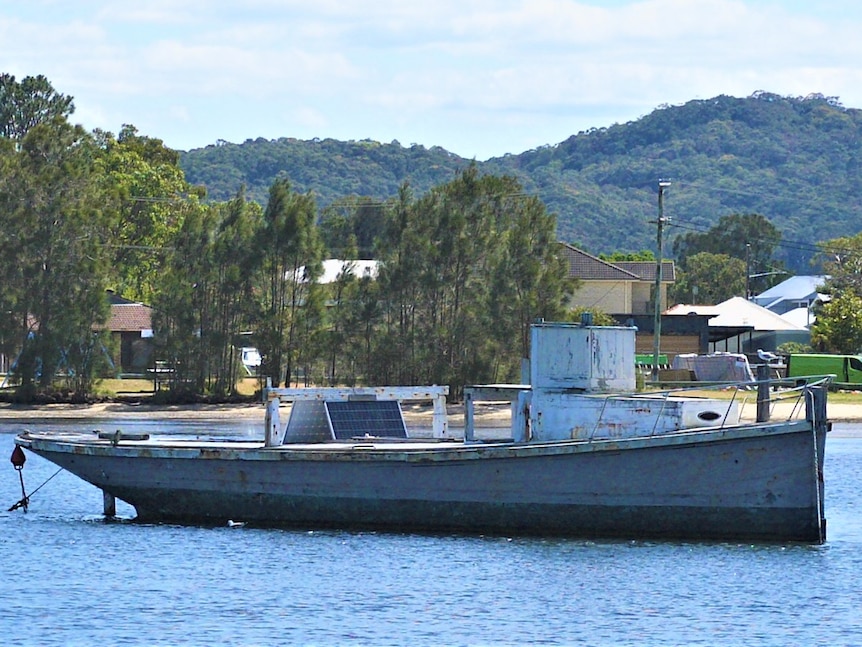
{"x":273,"y":397}
{"x":792,"y":397}
{"x":511,"y":393}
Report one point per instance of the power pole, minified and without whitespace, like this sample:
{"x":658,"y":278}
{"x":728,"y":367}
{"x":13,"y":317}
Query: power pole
{"x":747,"y":271}
{"x":662,"y":185}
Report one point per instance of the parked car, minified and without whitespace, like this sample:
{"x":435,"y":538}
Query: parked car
{"x":846,"y":368}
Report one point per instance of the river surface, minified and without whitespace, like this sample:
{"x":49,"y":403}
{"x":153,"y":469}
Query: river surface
{"x":68,"y":577}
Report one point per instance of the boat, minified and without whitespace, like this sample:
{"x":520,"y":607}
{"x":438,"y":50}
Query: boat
{"x":585,"y":454}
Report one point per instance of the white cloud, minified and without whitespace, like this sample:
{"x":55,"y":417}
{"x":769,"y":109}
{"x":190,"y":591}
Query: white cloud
{"x":480,"y":77}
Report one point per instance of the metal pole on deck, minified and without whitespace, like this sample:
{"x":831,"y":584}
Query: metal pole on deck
{"x":468,"y":415}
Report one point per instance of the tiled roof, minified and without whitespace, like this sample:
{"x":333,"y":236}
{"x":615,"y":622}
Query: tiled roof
{"x":646,"y":269}
{"x":130,"y":317}
{"x":587,"y":267}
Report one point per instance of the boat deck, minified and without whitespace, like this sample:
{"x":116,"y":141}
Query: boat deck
{"x":178,"y":441}
{"x":383,"y":448}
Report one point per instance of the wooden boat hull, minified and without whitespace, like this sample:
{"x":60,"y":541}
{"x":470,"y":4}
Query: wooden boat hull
{"x":761,"y":482}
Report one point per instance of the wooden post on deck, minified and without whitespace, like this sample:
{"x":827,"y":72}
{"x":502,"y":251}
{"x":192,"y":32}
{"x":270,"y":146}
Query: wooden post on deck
{"x":815,"y":406}
{"x":762,"y":392}
{"x":815,"y":413}
{"x":440,"y":420}
{"x":273,"y":423}
{"x":468,"y":415}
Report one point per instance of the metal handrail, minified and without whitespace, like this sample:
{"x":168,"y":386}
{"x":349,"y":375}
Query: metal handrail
{"x":800,"y":386}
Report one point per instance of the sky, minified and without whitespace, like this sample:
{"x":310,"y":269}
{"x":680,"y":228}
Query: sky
{"x":481,"y":78}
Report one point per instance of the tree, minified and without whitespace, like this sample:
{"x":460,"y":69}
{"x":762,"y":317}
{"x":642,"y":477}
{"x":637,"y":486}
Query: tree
{"x":643,"y":255}
{"x":290,"y":253}
{"x":391,"y":353}
{"x":234,"y":260}
{"x":465,"y":268}
{"x":710,"y":279}
{"x":528,"y":278}
{"x":206,"y":297}
{"x":599,"y":317}
{"x":182,"y":306}
{"x":52,"y":240}
{"x":841,"y":260}
{"x":352,"y":224}
{"x":750,"y":238}
{"x":838,"y":328}
{"x":151,"y":195}
{"x":26,"y":104}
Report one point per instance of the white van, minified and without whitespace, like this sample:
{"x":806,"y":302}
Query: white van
{"x":250,"y":358}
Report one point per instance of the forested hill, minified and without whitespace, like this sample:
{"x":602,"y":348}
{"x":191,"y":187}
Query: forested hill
{"x":330,"y":168}
{"x":796,"y":161}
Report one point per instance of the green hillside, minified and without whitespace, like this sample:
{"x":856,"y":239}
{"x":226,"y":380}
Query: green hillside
{"x":330,"y":168}
{"x":796,"y":161}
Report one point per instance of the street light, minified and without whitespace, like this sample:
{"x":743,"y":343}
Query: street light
{"x":662,"y":185}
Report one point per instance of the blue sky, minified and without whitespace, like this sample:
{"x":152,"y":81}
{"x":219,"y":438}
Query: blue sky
{"x":480,"y":78}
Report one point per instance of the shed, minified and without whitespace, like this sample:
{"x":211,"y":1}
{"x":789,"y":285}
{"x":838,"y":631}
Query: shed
{"x":130,"y":324}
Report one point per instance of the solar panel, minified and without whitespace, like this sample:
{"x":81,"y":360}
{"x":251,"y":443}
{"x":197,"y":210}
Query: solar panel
{"x":366,"y":417}
{"x":308,"y":423}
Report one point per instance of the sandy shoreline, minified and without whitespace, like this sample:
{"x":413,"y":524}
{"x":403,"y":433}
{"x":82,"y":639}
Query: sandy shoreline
{"x":416,"y":415}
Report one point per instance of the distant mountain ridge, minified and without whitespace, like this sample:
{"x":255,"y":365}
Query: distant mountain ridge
{"x":795,"y":160}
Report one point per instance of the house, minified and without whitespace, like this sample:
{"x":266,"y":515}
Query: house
{"x":741,"y":326}
{"x":794,"y":298}
{"x":621,"y":287}
{"x":131,"y":330}
{"x":332,"y":267}
{"x":679,"y":335}
{"x":795,"y":292}
{"x":623,"y":290}
{"x":130,"y":326}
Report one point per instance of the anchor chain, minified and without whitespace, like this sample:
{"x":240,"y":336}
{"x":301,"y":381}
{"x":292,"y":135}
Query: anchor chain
{"x":18,"y":459}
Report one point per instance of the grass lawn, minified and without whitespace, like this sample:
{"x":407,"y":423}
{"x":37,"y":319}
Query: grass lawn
{"x":845,"y":397}
{"x":135,"y":386}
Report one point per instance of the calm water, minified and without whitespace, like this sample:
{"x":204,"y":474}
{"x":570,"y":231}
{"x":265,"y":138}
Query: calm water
{"x":69,"y":578}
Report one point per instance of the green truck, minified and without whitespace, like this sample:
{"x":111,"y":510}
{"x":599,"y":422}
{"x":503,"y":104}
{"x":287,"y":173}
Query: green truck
{"x":846,"y":368}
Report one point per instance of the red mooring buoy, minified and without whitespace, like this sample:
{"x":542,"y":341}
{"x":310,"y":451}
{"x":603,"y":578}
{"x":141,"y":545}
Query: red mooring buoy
{"x":18,"y":458}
